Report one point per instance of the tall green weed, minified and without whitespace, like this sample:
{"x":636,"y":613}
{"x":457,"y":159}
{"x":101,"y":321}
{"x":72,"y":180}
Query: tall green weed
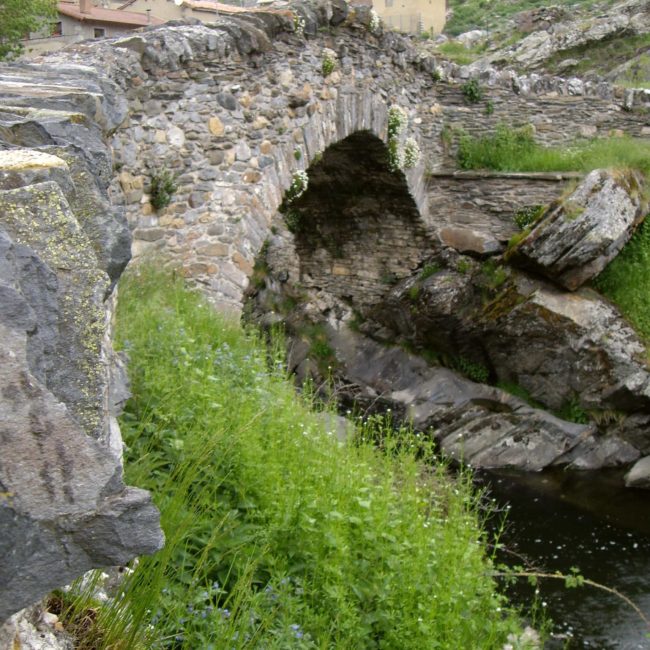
{"x":279,"y":535}
{"x":626,"y":279}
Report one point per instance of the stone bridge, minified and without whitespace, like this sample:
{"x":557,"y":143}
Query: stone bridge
{"x":233,"y":110}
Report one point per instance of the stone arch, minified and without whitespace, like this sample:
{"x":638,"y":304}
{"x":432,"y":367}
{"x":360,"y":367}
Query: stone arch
{"x":357,"y":229}
{"x":217,"y":249}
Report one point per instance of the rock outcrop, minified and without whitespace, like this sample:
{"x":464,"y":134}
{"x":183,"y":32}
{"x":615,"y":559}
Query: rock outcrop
{"x":551,"y":37}
{"x":576,"y":238}
{"x":478,"y":424}
{"x":555,"y":344}
{"x":64,"y":508}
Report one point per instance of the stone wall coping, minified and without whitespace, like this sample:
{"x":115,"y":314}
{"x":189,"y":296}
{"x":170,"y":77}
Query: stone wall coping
{"x":483,"y":174}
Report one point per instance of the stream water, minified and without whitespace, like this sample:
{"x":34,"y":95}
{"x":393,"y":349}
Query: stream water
{"x":558,"y":520}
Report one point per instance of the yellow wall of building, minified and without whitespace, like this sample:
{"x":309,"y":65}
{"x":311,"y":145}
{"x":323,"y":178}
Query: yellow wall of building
{"x":414,"y":16}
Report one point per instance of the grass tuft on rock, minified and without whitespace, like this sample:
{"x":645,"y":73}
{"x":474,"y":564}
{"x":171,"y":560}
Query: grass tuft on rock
{"x":279,"y":535}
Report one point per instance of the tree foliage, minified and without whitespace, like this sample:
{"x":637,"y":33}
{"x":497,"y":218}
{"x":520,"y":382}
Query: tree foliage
{"x":20,"y":17}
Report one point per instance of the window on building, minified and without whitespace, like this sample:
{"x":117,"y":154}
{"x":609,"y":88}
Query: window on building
{"x":100,"y":32}
{"x":389,"y":3}
{"x":57,"y":29}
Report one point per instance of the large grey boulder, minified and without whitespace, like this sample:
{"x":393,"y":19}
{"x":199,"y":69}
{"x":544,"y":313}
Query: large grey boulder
{"x":105,"y":225}
{"x":639,"y":475}
{"x":63,"y":506}
{"x":40,"y":218}
{"x":582,"y":233}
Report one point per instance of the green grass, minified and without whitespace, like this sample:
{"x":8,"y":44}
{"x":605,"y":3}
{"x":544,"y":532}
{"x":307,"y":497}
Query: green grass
{"x":516,"y":150}
{"x":460,"y":54}
{"x":626,"y":279}
{"x":278,"y":535}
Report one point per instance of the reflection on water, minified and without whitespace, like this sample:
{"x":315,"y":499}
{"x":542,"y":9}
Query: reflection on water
{"x":559,"y":520}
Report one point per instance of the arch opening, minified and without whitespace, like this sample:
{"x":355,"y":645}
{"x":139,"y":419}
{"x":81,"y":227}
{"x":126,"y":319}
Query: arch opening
{"x":356,"y":230}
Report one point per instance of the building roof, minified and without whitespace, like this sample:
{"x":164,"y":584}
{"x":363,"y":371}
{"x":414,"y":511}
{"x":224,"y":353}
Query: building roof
{"x":112,"y":16}
{"x":208,"y":5}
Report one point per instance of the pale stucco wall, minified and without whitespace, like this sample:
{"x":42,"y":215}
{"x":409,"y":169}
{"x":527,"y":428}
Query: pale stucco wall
{"x":414,"y":16}
{"x":163,"y":9}
{"x":73,"y":31}
{"x":167,"y":10}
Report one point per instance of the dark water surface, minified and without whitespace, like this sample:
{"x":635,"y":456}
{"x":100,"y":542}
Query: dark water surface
{"x":558,"y":520}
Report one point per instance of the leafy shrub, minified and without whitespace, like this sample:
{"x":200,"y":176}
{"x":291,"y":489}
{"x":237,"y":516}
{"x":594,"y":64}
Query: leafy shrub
{"x":397,"y":121}
{"x":328,"y":66}
{"x":400,"y":157}
{"x":463,"y":266}
{"x":320,"y":349}
{"x":472,"y":370}
{"x":278,"y":535}
{"x":293,"y":219}
{"x":163,"y":186}
{"x":395,"y":155}
{"x":374,"y":25}
{"x":573,"y":412}
{"x":414,"y":292}
{"x":472,"y":91}
{"x":493,"y":274}
{"x":299,"y":25}
{"x":411,"y":153}
{"x":293,"y":216}
{"x":428,"y":271}
{"x":526,"y":217}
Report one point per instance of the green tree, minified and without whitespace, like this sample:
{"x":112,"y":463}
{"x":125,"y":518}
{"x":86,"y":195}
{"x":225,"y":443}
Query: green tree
{"x":18,"y":18}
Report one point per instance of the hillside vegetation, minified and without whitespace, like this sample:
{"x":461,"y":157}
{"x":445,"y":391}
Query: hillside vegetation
{"x":278,"y":534}
{"x":582,"y":38}
{"x":493,"y":14}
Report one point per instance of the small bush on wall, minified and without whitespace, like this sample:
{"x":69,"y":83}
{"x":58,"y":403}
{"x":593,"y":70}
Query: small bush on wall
{"x":163,"y":186}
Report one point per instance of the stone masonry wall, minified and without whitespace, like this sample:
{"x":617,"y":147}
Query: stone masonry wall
{"x":472,"y":207}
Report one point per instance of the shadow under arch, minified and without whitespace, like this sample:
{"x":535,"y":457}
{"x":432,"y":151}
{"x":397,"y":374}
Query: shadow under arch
{"x":357,"y":228}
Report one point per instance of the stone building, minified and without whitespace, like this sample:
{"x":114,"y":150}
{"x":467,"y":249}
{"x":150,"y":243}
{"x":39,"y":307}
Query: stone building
{"x":203,"y":10}
{"x":413,"y":16}
{"x":80,"y":20}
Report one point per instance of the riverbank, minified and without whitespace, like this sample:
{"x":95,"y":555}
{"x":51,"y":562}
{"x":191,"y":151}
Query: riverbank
{"x":558,"y":520}
{"x":278,"y":534}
